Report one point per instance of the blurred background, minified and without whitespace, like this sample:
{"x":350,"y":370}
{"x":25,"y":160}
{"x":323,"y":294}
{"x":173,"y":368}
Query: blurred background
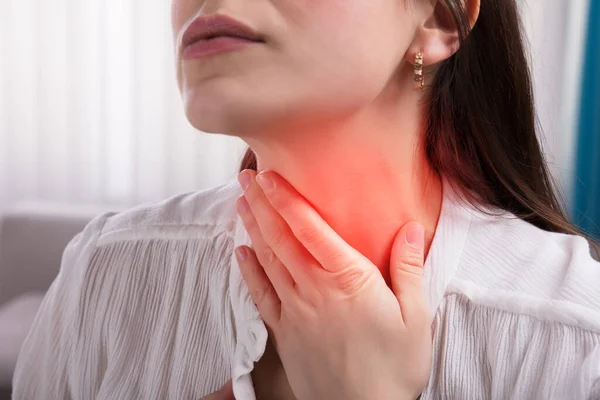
{"x":91,"y":120}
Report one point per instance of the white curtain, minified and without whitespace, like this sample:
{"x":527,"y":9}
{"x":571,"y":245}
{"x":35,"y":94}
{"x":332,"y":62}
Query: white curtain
{"x":556,"y":33}
{"x":89,"y":107}
{"x":90,"y":113}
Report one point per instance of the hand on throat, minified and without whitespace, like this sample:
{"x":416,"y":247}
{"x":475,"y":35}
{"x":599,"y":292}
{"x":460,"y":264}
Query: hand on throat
{"x":365,"y":178}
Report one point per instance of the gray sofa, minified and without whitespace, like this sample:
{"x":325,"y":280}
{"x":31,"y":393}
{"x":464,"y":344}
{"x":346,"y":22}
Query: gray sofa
{"x":32,"y":239}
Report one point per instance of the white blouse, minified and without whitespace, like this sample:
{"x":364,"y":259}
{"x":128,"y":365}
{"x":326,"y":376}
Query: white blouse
{"x":150,"y":304}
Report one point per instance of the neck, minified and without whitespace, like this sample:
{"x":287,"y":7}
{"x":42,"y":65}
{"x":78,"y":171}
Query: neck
{"x":365,"y":177}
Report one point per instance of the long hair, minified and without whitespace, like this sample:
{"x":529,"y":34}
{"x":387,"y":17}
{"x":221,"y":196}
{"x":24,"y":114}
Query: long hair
{"x":480,"y":129}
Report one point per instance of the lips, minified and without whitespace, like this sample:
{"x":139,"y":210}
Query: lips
{"x":212,"y":26}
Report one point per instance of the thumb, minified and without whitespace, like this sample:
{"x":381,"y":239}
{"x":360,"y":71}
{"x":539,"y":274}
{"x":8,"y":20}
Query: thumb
{"x":406,"y":272}
{"x":225,"y":393}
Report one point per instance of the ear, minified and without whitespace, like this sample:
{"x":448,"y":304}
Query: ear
{"x":437,"y":37}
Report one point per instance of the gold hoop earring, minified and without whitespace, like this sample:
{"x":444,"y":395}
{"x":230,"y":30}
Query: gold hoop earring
{"x":419,"y":77}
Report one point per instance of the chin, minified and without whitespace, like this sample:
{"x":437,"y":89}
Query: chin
{"x":234,"y":115}
{"x":207,"y":119}
{"x":226,"y":118}
{"x":210,"y":111}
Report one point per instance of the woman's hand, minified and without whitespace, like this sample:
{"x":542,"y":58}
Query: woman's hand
{"x":340,"y":332}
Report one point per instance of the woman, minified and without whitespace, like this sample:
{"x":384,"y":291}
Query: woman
{"x":151,"y":304}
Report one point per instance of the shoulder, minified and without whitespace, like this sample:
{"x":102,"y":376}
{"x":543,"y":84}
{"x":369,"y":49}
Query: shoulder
{"x":197,"y":225}
{"x":156,"y":255}
{"x":510,"y":264}
{"x":527,"y":303}
{"x":194,"y":214}
{"x":151,"y":277}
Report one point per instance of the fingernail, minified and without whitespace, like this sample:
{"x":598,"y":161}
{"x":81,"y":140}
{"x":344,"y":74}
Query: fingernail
{"x":244,"y":179}
{"x":415,"y":236}
{"x":265,"y":182}
{"x":240,"y":253}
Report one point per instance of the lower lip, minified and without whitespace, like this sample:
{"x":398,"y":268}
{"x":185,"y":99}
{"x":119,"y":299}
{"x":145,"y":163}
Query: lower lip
{"x":219,"y":44}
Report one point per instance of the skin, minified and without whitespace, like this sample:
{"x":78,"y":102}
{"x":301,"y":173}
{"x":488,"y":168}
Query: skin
{"x":327,"y":306}
{"x":308,"y":283}
{"x":328,"y":103}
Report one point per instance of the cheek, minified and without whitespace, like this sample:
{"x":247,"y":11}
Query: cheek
{"x":355,"y":31}
{"x":352,"y":43}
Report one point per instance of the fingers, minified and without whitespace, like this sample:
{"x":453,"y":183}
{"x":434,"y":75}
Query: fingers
{"x":406,"y":272}
{"x":325,"y":245}
{"x":275,"y":233}
{"x":225,"y":393}
{"x":276,"y":272}
{"x":261,"y":290}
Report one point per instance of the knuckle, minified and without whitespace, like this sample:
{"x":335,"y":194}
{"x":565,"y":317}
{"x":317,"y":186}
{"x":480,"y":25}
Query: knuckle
{"x":268,"y":257}
{"x":257,"y":295}
{"x":275,"y":237}
{"x":261,"y":294}
{"x":412,"y":264}
{"x":310,"y":235}
{"x":351,"y":280}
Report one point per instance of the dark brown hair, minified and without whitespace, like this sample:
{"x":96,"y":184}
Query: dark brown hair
{"x":480,"y":129}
